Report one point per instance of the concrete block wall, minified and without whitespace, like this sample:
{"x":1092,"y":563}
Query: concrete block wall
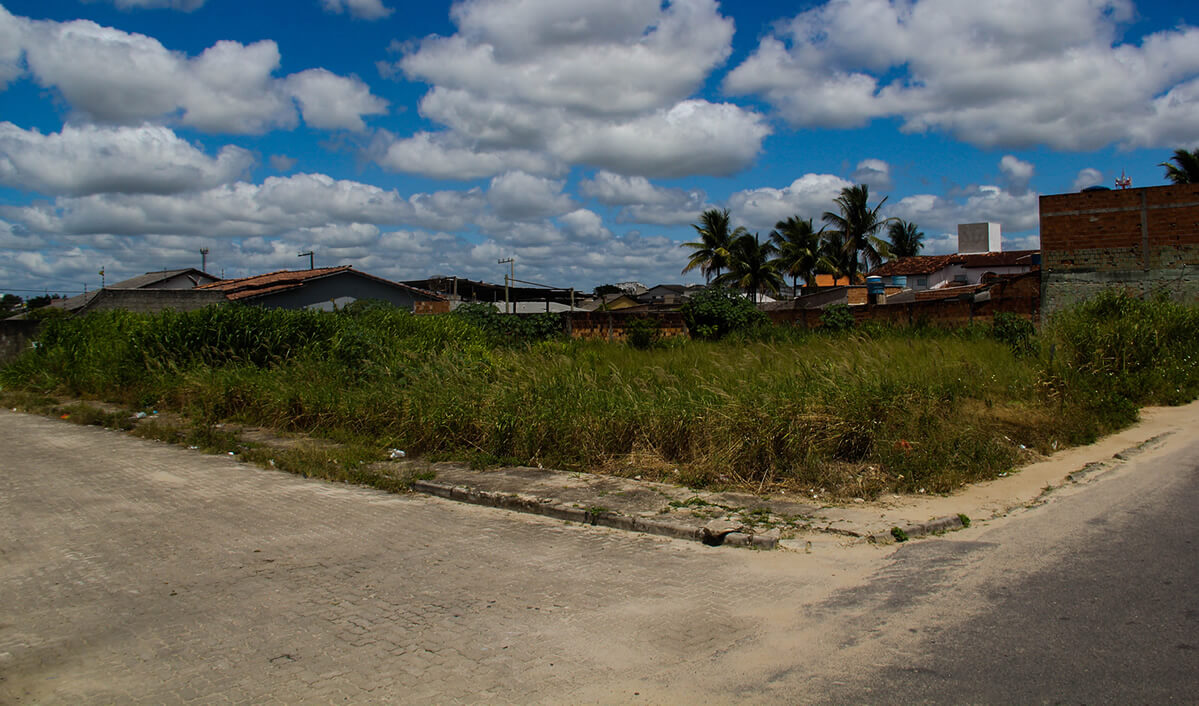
{"x":15,"y":337}
{"x":149,"y":301}
{"x":1146,"y":240}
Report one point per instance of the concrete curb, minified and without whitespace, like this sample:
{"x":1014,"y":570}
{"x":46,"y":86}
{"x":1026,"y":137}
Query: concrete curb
{"x":921,"y":529}
{"x":591,"y":516}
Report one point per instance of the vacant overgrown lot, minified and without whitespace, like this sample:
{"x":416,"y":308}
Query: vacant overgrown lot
{"x":845,"y":414}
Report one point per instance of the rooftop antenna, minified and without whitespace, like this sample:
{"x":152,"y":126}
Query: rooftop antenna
{"x":204,"y":259}
{"x":1122,"y":181}
{"x":309,"y":255}
{"x":101,"y":278}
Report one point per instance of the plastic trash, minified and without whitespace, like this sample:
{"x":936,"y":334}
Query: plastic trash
{"x":396,"y":453}
{"x":140,"y":415}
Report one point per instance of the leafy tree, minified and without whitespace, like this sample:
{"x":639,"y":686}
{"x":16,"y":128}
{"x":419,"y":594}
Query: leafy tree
{"x":38,"y":302}
{"x":832,"y":250}
{"x":9,"y":303}
{"x":752,"y":266}
{"x":799,"y":250}
{"x":858,"y":225}
{"x":1185,"y":169}
{"x":716,"y":312}
{"x":711,"y":251}
{"x":906,"y":239}
{"x":604,"y":289}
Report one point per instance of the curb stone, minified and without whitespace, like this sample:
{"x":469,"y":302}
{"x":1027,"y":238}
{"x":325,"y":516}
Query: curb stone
{"x":604,"y":518}
{"x":921,"y":529}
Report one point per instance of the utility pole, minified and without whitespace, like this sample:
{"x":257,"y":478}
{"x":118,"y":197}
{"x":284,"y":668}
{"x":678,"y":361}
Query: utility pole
{"x":309,"y":256}
{"x":204,"y":260}
{"x":511,"y":262}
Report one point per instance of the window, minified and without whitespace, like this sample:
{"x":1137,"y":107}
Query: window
{"x":922,"y":281}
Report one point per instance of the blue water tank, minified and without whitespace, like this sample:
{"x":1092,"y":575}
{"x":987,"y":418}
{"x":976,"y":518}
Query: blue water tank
{"x":899,"y":280}
{"x":874,"y":285}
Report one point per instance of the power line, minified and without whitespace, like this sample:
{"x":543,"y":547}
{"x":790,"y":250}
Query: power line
{"x":43,"y":290}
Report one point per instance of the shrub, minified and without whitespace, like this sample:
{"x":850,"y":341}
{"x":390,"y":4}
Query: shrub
{"x":1015,"y":331}
{"x":515,"y":328}
{"x":642,"y":333}
{"x":1116,"y":352}
{"x":716,"y":312}
{"x":837,"y":318}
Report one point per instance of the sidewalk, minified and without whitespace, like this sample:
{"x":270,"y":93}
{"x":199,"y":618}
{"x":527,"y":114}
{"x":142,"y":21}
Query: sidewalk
{"x":769,"y":521}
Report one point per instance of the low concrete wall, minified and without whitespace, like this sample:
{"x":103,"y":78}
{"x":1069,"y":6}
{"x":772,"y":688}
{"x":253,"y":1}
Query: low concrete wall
{"x":15,"y":337}
{"x":149,"y":301}
{"x":1068,"y":288}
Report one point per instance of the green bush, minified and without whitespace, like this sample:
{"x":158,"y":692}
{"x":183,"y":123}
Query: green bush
{"x":513,"y":328}
{"x":716,"y":312}
{"x":837,"y":317}
{"x":642,"y":333}
{"x":1116,"y":352}
{"x":1015,"y":331}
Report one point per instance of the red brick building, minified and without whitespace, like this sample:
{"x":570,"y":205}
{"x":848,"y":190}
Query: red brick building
{"x":1143,"y":239}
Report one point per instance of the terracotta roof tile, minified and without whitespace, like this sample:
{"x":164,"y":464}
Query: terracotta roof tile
{"x":1011,"y":258}
{"x":918,"y":265}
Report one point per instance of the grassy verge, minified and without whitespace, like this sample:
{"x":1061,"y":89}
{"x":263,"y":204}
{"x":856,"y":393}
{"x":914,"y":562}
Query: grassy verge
{"x":851,"y":414}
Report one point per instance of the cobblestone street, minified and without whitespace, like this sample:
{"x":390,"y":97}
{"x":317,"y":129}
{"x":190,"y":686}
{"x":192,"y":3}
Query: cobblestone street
{"x":134,"y":570}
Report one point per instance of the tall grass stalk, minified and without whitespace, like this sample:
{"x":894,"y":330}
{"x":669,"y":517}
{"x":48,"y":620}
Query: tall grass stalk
{"x":850,"y":414}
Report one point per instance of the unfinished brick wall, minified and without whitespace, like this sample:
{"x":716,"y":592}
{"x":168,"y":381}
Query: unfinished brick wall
{"x":611,"y":325}
{"x":1143,"y":239}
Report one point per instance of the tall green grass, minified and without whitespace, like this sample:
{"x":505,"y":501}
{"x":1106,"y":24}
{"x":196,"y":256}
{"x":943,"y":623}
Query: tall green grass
{"x":849,"y":414}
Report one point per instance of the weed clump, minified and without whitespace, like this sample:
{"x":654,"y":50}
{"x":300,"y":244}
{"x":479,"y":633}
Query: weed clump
{"x":868,"y":411}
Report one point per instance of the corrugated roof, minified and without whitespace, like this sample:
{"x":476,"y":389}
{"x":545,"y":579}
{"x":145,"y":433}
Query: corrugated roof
{"x":142,"y":281}
{"x":283,"y":280}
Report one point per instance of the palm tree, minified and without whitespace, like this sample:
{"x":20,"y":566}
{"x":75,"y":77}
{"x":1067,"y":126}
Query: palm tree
{"x":1187,"y":169}
{"x":798,"y":245}
{"x":751,"y":266}
{"x":906,"y":239}
{"x":711,"y":251}
{"x":832,"y":250}
{"x":858,"y":226}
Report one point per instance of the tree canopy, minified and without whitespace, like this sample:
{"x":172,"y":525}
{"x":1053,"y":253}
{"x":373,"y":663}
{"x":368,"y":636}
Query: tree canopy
{"x":1185,"y":167}
{"x":858,"y":225}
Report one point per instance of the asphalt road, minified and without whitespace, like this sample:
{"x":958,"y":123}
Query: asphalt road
{"x":1110,"y":614}
{"x":136,"y":572}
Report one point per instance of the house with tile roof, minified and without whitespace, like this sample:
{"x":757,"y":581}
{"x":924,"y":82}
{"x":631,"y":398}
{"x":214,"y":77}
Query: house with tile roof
{"x":936,"y":271}
{"x":325,"y":288}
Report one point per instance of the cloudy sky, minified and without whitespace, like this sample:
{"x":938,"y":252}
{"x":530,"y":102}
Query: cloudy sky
{"x":581,"y":137}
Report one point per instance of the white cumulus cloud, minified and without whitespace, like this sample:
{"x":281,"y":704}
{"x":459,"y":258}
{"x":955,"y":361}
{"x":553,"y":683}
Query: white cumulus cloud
{"x":90,"y":159}
{"x":362,"y":9}
{"x":602,"y":84}
{"x":807,"y":197}
{"x":1014,"y":73}
{"x":117,"y":77}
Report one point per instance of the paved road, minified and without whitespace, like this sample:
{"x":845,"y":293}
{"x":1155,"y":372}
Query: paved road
{"x":132,"y":571}
{"x":1109,"y":612}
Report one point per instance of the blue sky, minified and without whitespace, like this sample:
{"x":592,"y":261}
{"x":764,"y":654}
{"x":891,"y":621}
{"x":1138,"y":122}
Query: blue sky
{"x":580,"y":137}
